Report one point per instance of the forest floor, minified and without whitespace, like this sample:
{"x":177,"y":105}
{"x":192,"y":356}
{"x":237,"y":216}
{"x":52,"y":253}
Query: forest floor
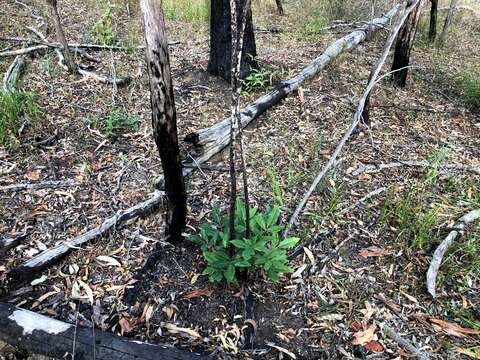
{"x":360,"y":267}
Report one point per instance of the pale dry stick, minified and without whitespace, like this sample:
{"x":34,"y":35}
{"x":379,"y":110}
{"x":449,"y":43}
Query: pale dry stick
{"x":458,"y":229}
{"x":357,"y":118}
{"x":363,"y":199}
{"x":392,"y":334}
{"x":371,"y":169}
{"x":49,"y":184}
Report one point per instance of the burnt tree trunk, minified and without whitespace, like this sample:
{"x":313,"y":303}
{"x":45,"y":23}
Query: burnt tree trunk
{"x":164,"y":119}
{"x":404,"y":44}
{"x":280,"y":7}
{"x":61,"y":36}
{"x":432,"y":33}
{"x":220,"y":62}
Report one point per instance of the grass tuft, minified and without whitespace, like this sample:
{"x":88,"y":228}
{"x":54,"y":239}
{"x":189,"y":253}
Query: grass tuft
{"x":13,"y":105}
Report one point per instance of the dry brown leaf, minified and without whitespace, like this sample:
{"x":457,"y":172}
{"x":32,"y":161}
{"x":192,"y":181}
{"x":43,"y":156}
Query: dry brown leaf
{"x":196,"y":293}
{"x":363,"y":337}
{"x":373,"y":251}
{"x":33,"y":175}
{"x":373,"y":346}
{"x":454,"y":327}
{"x":125,"y":326}
{"x":176,"y":329}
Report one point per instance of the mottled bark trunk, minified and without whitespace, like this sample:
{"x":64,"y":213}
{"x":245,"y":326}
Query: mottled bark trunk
{"x":164,"y":117}
{"x":432,"y":34}
{"x":448,"y":21}
{"x":220,"y":62}
{"x":61,"y":36}
{"x":404,"y":44}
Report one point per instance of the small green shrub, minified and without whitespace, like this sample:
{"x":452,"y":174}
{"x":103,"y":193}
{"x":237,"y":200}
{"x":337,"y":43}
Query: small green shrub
{"x":103,"y":29}
{"x":115,"y":123}
{"x":263,"y":250}
{"x":470,"y":85}
{"x":257,"y":80}
{"x":14,"y":104}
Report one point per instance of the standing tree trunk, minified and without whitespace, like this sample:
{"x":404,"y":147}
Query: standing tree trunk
{"x":280,"y":7}
{"x":164,"y":117}
{"x":448,"y":21}
{"x":220,"y":62}
{"x":432,"y":34}
{"x":404,"y":44}
{"x":61,"y":37}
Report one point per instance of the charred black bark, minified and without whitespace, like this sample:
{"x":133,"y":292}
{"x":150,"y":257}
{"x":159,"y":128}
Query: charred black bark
{"x":280,"y":7}
{"x":164,"y":119}
{"x":220,"y":62}
{"x":404,"y":45}
{"x":432,"y":33}
{"x":40,"y":334}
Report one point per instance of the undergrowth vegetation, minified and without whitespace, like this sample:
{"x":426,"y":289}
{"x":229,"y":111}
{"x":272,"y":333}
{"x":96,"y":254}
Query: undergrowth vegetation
{"x":263,"y":250}
{"x":13,"y":105}
{"x":103,"y":30}
{"x":192,"y":11}
{"x":115,"y":123}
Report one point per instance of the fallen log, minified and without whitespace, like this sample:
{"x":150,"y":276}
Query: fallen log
{"x":43,"y":335}
{"x":357,"y":117}
{"x":437,"y":258}
{"x":371,"y":169}
{"x":216,"y":135}
{"x":50,"y":256}
{"x":50,"y":184}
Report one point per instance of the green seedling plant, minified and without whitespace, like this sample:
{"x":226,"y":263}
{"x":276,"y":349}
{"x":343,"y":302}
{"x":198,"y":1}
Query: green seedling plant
{"x":115,"y":123}
{"x":257,"y":80}
{"x":103,"y":29}
{"x":264,"y":249}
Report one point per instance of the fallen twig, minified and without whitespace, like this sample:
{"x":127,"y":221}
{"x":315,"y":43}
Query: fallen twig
{"x":366,"y":197}
{"x":419,"y":163}
{"x":458,"y":229}
{"x":387,"y":330}
{"x":49,"y":184}
{"x":52,"y":255}
{"x":357,"y":117}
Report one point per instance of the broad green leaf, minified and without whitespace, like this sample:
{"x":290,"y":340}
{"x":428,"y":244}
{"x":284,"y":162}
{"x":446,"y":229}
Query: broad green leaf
{"x":230,"y":273}
{"x":288,"y":243}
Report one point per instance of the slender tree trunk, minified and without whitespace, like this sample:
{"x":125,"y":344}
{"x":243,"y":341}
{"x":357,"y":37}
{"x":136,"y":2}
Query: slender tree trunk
{"x":280,"y":7}
{"x":404,"y":45}
{"x":448,"y":22}
{"x":164,"y":117}
{"x":61,"y":36}
{"x":432,"y":34}
{"x":220,"y":61}
{"x":238,"y":16}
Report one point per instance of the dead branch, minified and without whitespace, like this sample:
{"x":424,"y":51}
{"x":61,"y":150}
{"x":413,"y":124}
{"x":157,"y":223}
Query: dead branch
{"x":9,"y":242}
{"x":387,"y":330}
{"x":13,"y":73}
{"x":217,"y":134}
{"x":23,"y":51}
{"x":25,"y":270}
{"x":43,"y":335}
{"x":357,"y":117}
{"x":50,"y":184}
{"x":458,"y":229}
{"x":370,"y":169}
{"x":105,"y":80}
